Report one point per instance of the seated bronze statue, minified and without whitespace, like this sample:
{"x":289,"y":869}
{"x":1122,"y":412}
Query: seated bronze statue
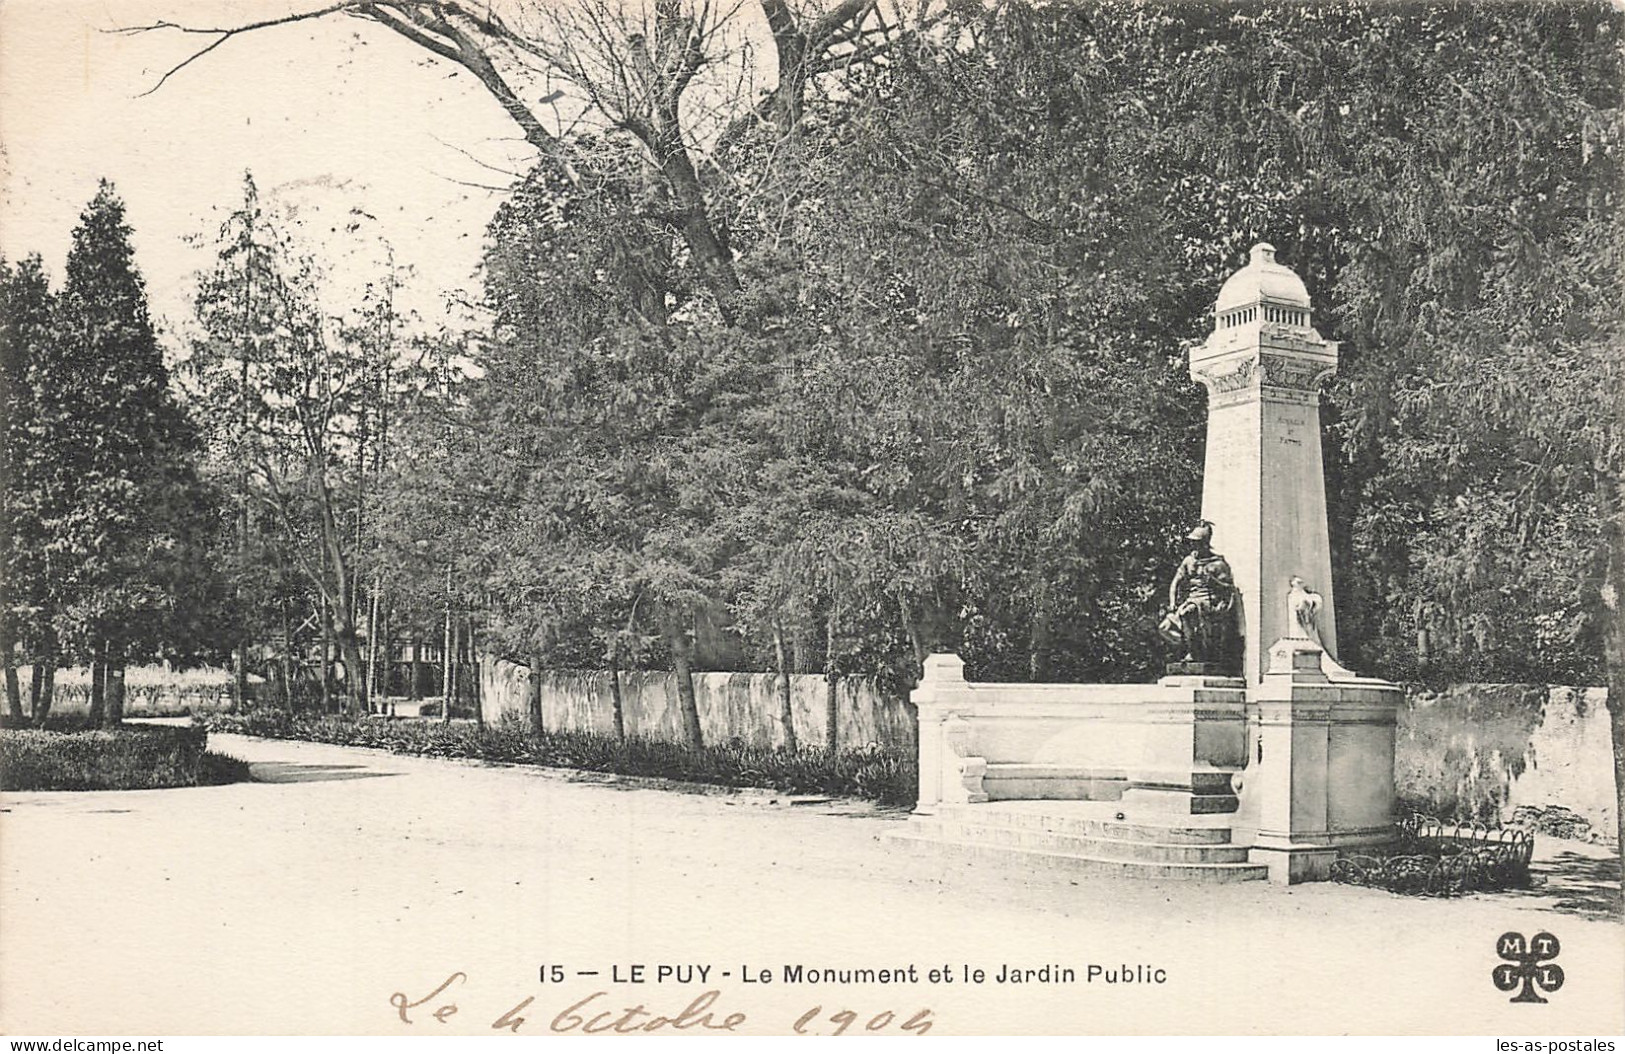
{"x":1204,"y":607}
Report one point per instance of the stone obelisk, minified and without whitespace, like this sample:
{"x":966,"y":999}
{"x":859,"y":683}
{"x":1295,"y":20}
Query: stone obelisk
{"x":1264,"y":488}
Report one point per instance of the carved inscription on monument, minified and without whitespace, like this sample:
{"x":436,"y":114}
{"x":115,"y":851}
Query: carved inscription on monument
{"x":1227,"y":442}
{"x":1291,"y":429}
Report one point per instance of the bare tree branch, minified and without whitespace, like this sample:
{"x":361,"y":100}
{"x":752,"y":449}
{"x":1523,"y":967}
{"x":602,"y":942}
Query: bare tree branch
{"x":635,"y":65}
{"x":246,"y":27}
{"x":222,"y":34}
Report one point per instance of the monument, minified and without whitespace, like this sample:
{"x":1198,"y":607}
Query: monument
{"x":1258,"y":755}
{"x":1263,"y":487}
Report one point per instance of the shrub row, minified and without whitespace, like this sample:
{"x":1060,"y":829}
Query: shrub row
{"x":875,"y":773}
{"x":133,"y":757}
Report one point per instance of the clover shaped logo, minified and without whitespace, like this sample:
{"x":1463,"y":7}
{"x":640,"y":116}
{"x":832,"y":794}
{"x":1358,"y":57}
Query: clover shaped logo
{"x":1528,"y":964}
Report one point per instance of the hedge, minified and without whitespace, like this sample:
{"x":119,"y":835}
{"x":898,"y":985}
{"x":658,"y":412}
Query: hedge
{"x":875,"y":773}
{"x":132,"y":757}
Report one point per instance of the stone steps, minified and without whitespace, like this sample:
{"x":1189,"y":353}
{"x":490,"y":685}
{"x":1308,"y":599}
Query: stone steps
{"x":1207,"y":792}
{"x":1029,"y":860}
{"x":1082,"y":838}
{"x":1181,"y":801}
{"x":1080,"y":844}
{"x":1098,"y":822}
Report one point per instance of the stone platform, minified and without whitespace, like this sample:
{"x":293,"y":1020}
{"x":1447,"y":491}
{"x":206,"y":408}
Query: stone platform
{"x":1201,"y":777}
{"x":1103,"y":839}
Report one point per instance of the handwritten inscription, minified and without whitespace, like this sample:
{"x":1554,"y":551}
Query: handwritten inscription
{"x":441,"y":1012}
{"x":917,"y":1025}
{"x":696,"y":1016}
{"x":595,"y":1014}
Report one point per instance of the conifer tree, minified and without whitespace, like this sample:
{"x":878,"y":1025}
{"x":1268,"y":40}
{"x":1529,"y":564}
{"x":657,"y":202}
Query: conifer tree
{"x":291,"y":392}
{"x":26,"y":308}
{"x":129,"y":518}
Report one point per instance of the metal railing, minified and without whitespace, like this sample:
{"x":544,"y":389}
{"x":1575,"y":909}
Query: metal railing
{"x":1437,"y":859}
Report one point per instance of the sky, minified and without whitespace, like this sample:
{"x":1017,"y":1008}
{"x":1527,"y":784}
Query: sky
{"x":329,"y":115}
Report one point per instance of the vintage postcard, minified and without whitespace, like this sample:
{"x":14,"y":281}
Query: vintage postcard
{"x":811,"y":517}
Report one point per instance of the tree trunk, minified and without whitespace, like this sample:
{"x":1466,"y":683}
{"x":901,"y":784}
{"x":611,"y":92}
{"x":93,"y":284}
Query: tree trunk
{"x":915,"y":640}
{"x":414,"y":691}
{"x":113,"y":687}
{"x":98,"y":686}
{"x":339,"y":587}
{"x":448,"y":668}
{"x":372,"y":648}
{"x":475,"y":674}
{"x":287,"y":656}
{"x":327,"y":656}
{"x":1039,"y":640}
{"x":534,"y":700}
{"x":355,"y":670}
{"x":832,"y":678}
{"x":682,"y":664}
{"x":14,"y":691}
{"x":47,"y":682}
{"x":386,"y":662}
{"x":456,"y":661}
{"x":239,"y":673}
{"x":239,"y":655}
{"x":700,"y":231}
{"x":787,"y":712}
{"x":353,"y":612}
{"x":1616,"y":720}
{"x":36,"y":677}
{"x":616,"y":700}
{"x":1612,"y":596}
{"x":790,"y":42}
{"x":8,"y":640}
{"x":789,"y":96}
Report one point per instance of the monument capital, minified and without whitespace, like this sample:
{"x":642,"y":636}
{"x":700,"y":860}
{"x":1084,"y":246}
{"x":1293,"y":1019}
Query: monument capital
{"x":1262,"y":279}
{"x":1264,"y":344}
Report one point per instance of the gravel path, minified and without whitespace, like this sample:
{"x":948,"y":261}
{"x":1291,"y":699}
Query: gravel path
{"x":302,"y":902}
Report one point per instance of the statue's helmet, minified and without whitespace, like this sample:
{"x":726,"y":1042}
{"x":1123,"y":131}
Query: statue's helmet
{"x":1202,"y":532}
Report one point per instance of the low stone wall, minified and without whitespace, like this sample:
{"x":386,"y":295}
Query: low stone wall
{"x":1483,"y":750}
{"x":742,"y":706}
{"x":148,"y":692}
{"x":1475,"y":750}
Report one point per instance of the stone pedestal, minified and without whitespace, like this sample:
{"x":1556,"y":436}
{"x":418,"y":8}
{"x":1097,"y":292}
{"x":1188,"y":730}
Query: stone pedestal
{"x":949,"y":773}
{"x":1321,"y":776}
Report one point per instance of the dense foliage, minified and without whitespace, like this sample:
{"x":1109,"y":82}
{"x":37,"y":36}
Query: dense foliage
{"x":947,"y":404}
